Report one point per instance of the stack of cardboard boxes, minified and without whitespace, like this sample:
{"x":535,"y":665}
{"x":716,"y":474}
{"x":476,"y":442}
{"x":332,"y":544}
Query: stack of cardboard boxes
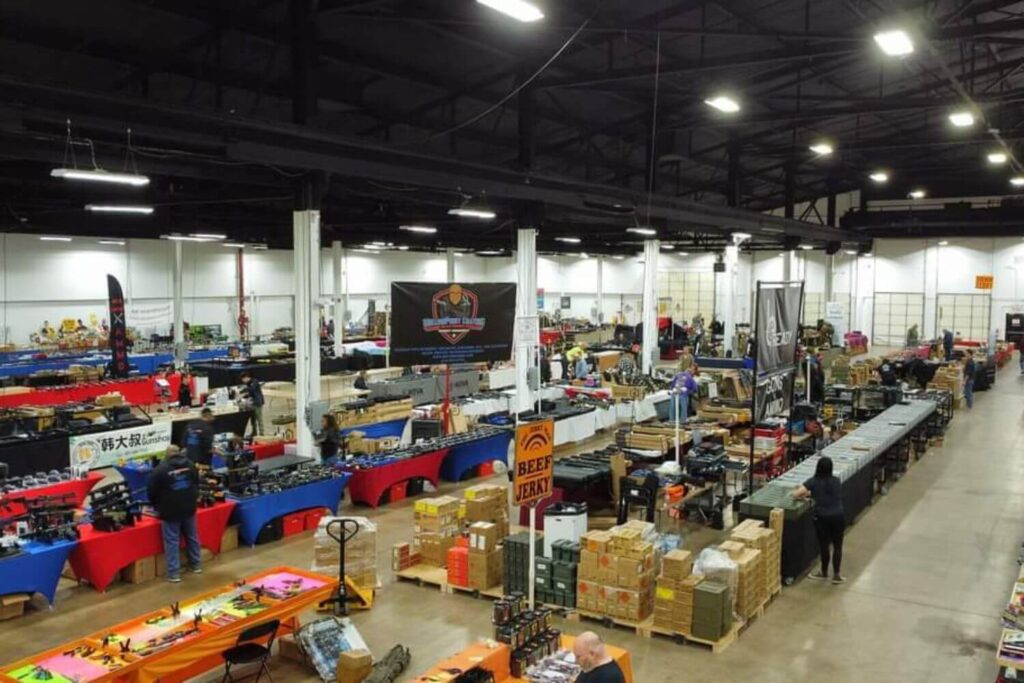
{"x":616,"y":573}
{"x":755,"y":536}
{"x":403,"y":557}
{"x":360,"y":552}
{"x":673,"y":596}
{"x":949,"y":378}
{"x":435,"y":527}
{"x":751,"y":588}
{"x":485,"y":555}
{"x":776,"y":522}
{"x":458,"y":566}
{"x":487,"y":503}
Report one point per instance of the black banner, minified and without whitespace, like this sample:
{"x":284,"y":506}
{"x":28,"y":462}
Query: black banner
{"x":118,"y":330}
{"x":436,"y":324}
{"x":777,"y":325}
{"x":773,"y":395}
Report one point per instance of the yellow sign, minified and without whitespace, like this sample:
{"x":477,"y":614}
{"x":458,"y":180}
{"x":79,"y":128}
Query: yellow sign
{"x":69,"y":324}
{"x":535,"y":464}
{"x":983,"y":282}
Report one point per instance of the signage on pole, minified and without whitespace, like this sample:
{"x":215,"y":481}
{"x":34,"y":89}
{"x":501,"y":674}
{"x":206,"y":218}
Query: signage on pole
{"x":535,"y":464}
{"x":109,"y":448}
{"x":118,"y":329}
{"x":442,"y":324}
{"x":773,"y":395}
{"x":528,"y":331}
{"x":778,"y":325}
{"x":983,"y":281}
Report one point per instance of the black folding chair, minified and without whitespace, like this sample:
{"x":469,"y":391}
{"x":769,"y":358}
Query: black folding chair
{"x":247,"y":651}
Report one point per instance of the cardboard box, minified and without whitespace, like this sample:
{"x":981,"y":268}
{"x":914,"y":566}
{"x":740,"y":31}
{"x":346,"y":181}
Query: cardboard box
{"x":628,"y":572}
{"x":229,"y":541}
{"x":434,"y":548}
{"x":13,"y":605}
{"x":677,"y":564}
{"x":140,"y":571}
{"x":483,"y":536}
{"x":289,"y":648}
{"x":354,"y":666}
{"x":596,"y":541}
{"x":485,"y":569}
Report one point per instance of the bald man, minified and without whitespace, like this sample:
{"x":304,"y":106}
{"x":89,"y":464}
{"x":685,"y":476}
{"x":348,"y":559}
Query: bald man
{"x":593,"y":658}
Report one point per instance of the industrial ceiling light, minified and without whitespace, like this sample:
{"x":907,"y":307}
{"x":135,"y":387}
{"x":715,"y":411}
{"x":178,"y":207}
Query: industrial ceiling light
{"x":618,"y":257}
{"x":895,"y":43}
{"x":1017,"y":181}
{"x":569,"y":240}
{"x":403,"y":247}
{"x":879,"y":177}
{"x":997,"y":158}
{"x":187,"y":238}
{"x":584,"y":254}
{"x":723,"y":103}
{"x":822,"y":149}
{"x":425,"y":229}
{"x":119,"y":208}
{"x":520,"y":10}
{"x":916,"y":194}
{"x":807,"y":247}
{"x":643,"y":231}
{"x":54,"y":238}
{"x":100,"y":176}
{"x":668,"y":247}
{"x":458,"y":254}
{"x":115,"y":243}
{"x":234,"y":245}
{"x":962,"y":119}
{"x":472,"y":213}
{"x":209,"y":236}
{"x":740,"y":236}
{"x":850,"y":252}
{"x":490,"y":252}
{"x":943,"y":243}
{"x":373,"y":247}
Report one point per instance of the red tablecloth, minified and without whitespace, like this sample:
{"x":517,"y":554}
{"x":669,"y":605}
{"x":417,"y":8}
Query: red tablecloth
{"x":80,"y":488}
{"x":367,"y":486}
{"x":101,"y":555}
{"x":267,"y":450}
{"x":137,"y":391}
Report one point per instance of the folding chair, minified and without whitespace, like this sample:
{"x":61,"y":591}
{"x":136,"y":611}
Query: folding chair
{"x":246,"y":651}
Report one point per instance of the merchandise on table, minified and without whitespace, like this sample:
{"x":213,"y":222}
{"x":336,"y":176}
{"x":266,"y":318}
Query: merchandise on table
{"x":420,"y":448}
{"x":44,"y":519}
{"x":113,"y":508}
{"x":527,"y":632}
{"x":259,"y":482}
{"x":25,"y":484}
{"x":360,"y":551}
{"x":560,"y":667}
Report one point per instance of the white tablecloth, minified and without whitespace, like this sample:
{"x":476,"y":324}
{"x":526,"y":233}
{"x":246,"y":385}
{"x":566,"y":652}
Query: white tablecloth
{"x":501,"y":378}
{"x":574,"y":429}
{"x":645,"y":408}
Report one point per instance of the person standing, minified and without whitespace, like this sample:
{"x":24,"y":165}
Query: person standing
{"x":329,"y":440}
{"x":254,"y":390}
{"x":683,"y":386}
{"x":829,"y":517}
{"x":947,"y":343}
{"x":593,"y":658}
{"x":185,"y":391}
{"x":199,"y":439}
{"x":173,"y":489}
{"x":970,"y":371}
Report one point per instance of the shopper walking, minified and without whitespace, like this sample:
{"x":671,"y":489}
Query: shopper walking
{"x":970,"y":371}
{"x":173,"y":489}
{"x":255,"y":394}
{"x":199,"y":439}
{"x":329,"y":440}
{"x":593,"y":658}
{"x":829,"y":518}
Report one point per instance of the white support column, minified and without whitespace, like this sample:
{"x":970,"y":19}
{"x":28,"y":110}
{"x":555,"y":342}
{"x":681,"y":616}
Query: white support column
{"x":787,"y":266}
{"x":600,"y":290}
{"x":830,"y":267}
{"x":306,"y":231}
{"x":180,"y":345}
{"x":449,"y":254}
{"x":728,"y":280}
{"x":649,"y":317}
{"x":338,"y":299}
{"x":526,"y":307}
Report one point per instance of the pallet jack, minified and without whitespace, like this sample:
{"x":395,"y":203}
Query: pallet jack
{"x":348,"y":592}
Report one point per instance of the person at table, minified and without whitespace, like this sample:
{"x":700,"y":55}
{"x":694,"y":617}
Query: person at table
{"x":947,"y":343}
{"x":829,"y":517}
{"x":254,"y":391}
{"x":593,"y":658}
{"x":887,"y":374}
{"x":329,"y":440}
{"x":360,"y":382}
{"x":199,"y":439}
{"x":173,"y":489}
{"x":185,"y":391}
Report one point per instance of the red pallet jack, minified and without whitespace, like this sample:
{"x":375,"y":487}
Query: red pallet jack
{"x":348,"y":592}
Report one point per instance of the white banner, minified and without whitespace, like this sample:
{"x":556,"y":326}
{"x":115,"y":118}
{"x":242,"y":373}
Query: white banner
{"x":110,"y":448}
{"x":150,"y":314}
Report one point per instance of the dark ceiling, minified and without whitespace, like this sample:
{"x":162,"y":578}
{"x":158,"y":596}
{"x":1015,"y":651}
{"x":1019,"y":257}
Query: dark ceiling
{"x":391,"y":112}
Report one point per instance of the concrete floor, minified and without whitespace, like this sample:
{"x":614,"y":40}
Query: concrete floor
{"x":929,"y":568}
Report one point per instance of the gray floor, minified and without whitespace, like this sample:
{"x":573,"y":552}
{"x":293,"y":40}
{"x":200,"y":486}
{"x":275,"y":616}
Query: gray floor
{"x":929,"y":566}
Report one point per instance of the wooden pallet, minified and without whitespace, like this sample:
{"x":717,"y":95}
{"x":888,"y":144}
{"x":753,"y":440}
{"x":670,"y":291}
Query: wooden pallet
{"x":421,"y":574}
{"x":610,"y":622}
{"x":648,"y":630}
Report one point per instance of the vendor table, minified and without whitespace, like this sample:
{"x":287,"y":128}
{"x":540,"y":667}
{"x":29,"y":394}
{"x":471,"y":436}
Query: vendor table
{"x":377,"y":430}
{"x":188,"y":657}
{"x":77,"y":488}
{"x":227,"y":373}
{"x":270,"y":449}
{"x":233,"y":422}
{"x":252,"y":513}
{"x":36,"y":570}
{"x":100,"y":555}
{"x":467,"y":456}
{"x":37,"y":453}
{"x":368,"y":485}
{"x":575,"y":428}
{"x":135,"y":390}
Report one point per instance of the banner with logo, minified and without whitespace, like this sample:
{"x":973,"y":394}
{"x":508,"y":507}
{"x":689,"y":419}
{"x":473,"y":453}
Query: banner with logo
{"x":118,"y":329}
{"x":777,"y":325}
{"x":151,"y":314}
{"x":109,"y":448}
{"x":535,"y":464}
{"x":773,"y":395}
{"x":451,"y":323}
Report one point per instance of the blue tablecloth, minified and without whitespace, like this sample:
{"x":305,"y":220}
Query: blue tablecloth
{"x":36,"y":570}
{"x":136,"y":473}
{"x":252,"y":513}
{"x":21,"y":364}
{"x":379,"y":429}
{"x":467,"y":456}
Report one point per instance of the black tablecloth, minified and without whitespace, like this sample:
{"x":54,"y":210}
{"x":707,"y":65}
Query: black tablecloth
{"x":35,"y":454}
{"x":227,"y":373}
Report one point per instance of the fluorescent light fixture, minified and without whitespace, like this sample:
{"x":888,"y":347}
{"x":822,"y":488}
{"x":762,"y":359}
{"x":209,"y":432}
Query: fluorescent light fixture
{"x":584,"y":254}
{"x":459,"y":254}
{"x":209,"y":236}
{"x":259,"y":247}
{"x":943,"y":243}
{"x":850,"y":252}
{"x":100,"y":176}
{"x":53,"y":238}
{"x":373,"y":247}
{"x":916,"y":194}
{"x":879,"y":177}
{"x":425,"y":229}
{"x":187,"y":238}
{"x":806,"y":247}
{"x":119,"y":208}
{"x":490,"y":252}
{"x":404,"y":247}
{"x":115,"y":243}
{"x":997,"y":158}
{"x":668,"y":247}
{"x":741,"y":236}
{"x":682,"y":253}
{"x":642,"y":231}
{"x":895,"y":43}
{"x":520,"y":10}
{"x":822,"y":149}
{"x":362,"y":251}
{"x":234,"y":245}
{"x":1017,"y":181}
{"x":472,"y":213}
{"x":961,"y":119}
{"x":782,"y":253}
{"x":723,"y":103}
{"x":618,"y":257}
{"x":570,"y":240}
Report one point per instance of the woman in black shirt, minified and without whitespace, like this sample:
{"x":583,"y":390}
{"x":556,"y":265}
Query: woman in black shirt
{"x":829,"y":517}
{"x":329,"y":440}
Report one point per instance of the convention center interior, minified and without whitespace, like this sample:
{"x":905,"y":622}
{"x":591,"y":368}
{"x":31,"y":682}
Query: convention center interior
{"x":496,"y":341}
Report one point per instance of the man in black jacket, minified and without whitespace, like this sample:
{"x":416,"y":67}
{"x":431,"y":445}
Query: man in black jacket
{"x":255,"y":393}
{"x":173,"y":489}
{"x":199,"y":439}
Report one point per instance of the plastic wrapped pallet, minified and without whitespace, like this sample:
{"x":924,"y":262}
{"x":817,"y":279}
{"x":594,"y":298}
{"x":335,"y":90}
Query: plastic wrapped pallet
{"x":360,"y":552}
